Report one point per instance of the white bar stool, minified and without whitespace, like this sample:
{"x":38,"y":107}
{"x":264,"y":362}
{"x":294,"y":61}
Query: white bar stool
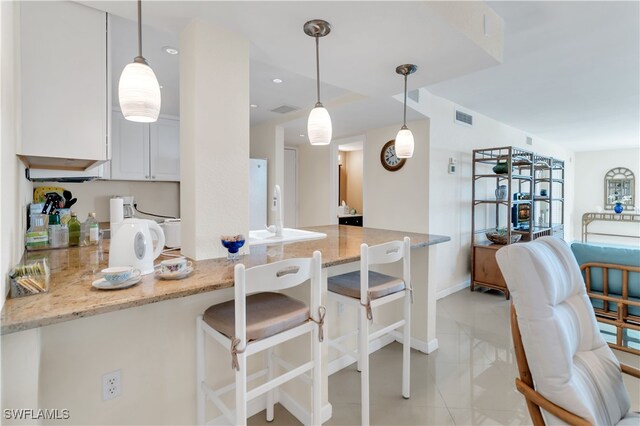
{"x":258,"y":322}
{"x":366,"y":290}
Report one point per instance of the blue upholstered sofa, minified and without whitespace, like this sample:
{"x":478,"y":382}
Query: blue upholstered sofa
{"x":612,"y":274}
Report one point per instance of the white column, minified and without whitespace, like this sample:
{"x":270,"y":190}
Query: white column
{"x":214,"y":138}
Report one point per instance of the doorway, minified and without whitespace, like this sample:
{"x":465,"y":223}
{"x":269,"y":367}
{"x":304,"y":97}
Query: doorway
{"x":350,"y":162}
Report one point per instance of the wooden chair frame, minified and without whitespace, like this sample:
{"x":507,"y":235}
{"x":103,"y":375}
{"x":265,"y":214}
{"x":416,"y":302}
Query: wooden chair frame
{"x":376,"y":255}
{"x":271,"y":277}
{"x":535,"y":401}
{"x":621,"y":319}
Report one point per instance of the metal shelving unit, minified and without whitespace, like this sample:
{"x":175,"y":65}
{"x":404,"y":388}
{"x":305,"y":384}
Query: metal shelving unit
{"x":525,"y":211}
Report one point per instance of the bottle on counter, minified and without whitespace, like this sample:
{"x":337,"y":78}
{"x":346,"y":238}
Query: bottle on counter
{"x":37,"y":235}
{"x":92,"y":234}
{"x":74,"y":230}
{"x":54,"y":231}
{"x":63,"y":235}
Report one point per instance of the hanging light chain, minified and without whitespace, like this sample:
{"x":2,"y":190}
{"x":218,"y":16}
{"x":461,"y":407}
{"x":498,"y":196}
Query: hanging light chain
{"x":140,"y":28}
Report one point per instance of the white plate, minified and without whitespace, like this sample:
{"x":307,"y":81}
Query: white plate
{"x":103,"y":284}
{"x":174,"y":275}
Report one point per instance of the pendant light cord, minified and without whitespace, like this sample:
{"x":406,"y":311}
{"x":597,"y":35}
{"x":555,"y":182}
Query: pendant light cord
{"x":404,"y":120}
{"x":318,"y":69}
{"x":140,"y":28}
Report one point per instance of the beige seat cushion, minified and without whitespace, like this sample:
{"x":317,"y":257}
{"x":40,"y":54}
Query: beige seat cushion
{"x":379,"y":284}
{"x":267,"y":314}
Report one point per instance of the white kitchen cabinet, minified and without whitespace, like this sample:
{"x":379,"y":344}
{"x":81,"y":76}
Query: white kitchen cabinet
{"x":63,"y":85}
{"x":145,"y":151}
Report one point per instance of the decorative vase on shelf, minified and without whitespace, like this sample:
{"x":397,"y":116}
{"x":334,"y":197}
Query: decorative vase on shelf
{"x":618,"y":208}
{"x":501,"y":193}
{"x":502,"y":168}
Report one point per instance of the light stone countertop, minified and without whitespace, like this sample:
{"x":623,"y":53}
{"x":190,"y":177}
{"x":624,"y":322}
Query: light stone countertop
{"x":71,"y":295}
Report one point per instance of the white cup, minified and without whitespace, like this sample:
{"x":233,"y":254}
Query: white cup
{"x":173,"y":266}
{"x":119,"y":274}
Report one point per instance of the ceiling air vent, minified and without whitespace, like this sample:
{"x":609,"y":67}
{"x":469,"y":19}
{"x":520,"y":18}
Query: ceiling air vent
{"x":284,"y":109}
{"x":464,"y":119}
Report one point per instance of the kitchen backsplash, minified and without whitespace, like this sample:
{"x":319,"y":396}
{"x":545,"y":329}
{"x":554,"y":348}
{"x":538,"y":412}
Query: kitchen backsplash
{"x":161,"y":198}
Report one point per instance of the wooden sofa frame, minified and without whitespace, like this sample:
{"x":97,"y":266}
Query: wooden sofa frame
{"x":620,"y":319}
{"x":535,"y":401}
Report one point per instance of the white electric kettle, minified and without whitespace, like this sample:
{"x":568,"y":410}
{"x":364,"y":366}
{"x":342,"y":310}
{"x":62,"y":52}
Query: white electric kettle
{"x":131,"y":244}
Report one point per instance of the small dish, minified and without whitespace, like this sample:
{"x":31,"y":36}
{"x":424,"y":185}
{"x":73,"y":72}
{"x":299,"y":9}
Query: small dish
{"x":103,"y":284}
{"x":174,"y":275}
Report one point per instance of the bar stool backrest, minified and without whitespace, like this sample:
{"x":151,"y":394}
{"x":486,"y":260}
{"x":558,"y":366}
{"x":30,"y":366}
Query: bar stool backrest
{"x":380,"y":254}
{"x":274,"y":277}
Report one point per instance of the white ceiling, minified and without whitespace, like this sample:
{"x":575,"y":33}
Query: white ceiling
{"x":570,"y":74}
{"x":570,"y":70}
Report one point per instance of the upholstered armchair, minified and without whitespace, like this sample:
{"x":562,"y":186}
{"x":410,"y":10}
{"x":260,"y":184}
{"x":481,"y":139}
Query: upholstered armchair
{"x":568,"y":373}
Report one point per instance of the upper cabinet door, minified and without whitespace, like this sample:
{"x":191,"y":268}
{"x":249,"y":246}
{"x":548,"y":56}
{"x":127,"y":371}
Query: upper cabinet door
{"x":165,"y":149}
{"x":63,"y":47}
{"x":130,"y":149}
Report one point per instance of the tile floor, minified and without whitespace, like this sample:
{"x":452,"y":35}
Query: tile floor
{"x":469,"y":380}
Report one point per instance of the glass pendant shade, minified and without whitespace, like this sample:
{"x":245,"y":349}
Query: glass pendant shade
{"x":404,"y":143}
{"x":319,"y":126}
{"x":139,"y":93}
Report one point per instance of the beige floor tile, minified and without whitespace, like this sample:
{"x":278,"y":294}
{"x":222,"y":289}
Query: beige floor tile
{"x":477,"y":416}
{"x":280,"y":417}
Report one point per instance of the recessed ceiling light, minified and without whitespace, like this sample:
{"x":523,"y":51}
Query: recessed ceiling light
{"x":277,"y":80}
{"x":170,"y":50}
{"x":254,"y":105}
{"x":161,"y":86}
{"x":302,"y":135}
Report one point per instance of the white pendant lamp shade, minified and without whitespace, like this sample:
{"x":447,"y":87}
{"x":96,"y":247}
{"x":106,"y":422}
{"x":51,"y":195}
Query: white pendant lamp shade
{"x":404,"y":143}
{"x":139,"y":93}
{"x":319,"y":126}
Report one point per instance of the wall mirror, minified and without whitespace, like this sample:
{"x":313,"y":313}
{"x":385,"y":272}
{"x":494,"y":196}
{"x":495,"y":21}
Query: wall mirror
{"x":619,"y":185}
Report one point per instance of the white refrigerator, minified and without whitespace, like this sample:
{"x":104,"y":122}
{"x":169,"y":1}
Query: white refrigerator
{"x":258,"y":194}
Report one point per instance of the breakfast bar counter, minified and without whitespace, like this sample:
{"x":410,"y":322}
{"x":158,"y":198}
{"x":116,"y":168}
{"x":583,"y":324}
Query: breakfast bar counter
{"x":72,"y":296}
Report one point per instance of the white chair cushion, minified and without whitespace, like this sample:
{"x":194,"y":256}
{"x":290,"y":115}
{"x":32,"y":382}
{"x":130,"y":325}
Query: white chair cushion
{"x":570,"y":362}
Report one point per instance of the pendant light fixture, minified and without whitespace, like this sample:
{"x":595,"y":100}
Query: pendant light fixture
{"x":138,"y":89}
{"x":404,"y":138}
{"x":319,"y":125}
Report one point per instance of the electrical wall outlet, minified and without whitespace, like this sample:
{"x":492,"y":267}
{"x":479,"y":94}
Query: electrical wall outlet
{"x":340,"y":308}
{"x":111,"y":385}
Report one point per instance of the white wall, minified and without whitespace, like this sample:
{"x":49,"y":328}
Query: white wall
{"x":591,"y":166}
{"x":315,"y":203}
{"x":15,"y":189}
{"x":161,"y":198}
{"x":450,"y":194}
{"x":396,"y":200}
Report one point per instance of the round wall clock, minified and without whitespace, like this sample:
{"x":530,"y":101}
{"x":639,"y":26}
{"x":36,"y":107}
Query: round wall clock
{"x":389,"y":159}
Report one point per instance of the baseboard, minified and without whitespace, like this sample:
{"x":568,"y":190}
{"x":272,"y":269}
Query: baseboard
{"x":299,"y":412}
{"x":453,"y":289}
{"x":345,"y":360}
{"x":417,"y":344}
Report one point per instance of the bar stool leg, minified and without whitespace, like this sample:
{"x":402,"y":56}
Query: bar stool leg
{"x":241,"y":391}
{"x":317,"y":377}
{"x":270,"y":394}
{"x":200,"y":366}
{"x":363,"y":348}
{"x":406,"y":346}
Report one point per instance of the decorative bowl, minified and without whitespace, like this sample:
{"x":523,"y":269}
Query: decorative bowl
{"x":502,"y":168}
{"x":500,"y":238}
{"x":232,"y":247}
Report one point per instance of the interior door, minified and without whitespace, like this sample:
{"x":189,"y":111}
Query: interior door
{"x":257,"y":194}
{"x":290,"y":190}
